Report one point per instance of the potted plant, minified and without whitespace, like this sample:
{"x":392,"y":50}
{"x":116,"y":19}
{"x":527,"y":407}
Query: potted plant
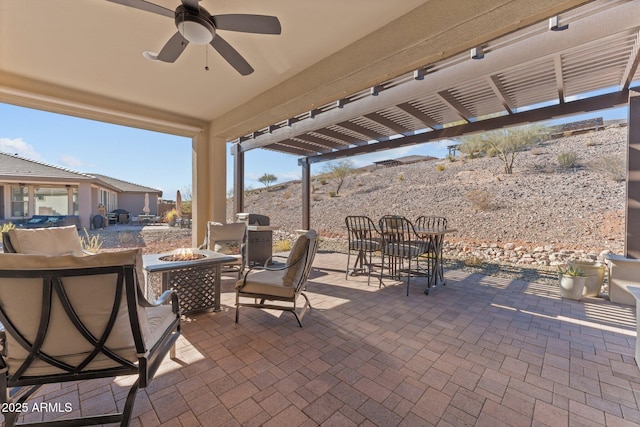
{"x":572,"y":280}
{"x":594,"y":271}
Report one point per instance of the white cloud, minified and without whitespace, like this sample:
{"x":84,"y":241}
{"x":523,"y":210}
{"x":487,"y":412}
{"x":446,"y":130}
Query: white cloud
{"x":72,"y":162}
{"x":19,"y":147}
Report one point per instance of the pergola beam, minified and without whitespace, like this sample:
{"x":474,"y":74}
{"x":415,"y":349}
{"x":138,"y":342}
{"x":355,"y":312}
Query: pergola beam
{"x":544,"y":45}
{"x":600,"y":102}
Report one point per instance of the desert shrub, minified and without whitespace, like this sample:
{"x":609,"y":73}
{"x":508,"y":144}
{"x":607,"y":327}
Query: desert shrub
{"x":323,"y":182}
{"x":7,"y":226}
{"x":536,"y":151}
{"x":492,"y":152}
{"x":451,"y":158}
{"x":170,"y":216}
{"x":613,"y":166}
{"x":568,"y":160}
{"x":473,"y":261}
{"x":590,"y":142}
{"x":401,"y":177}
{"x":287,"y":194}
{"x":91,"y":244}
{"x":126,"y":238}
{"x":282,"y":246}
{"x":317,"y":197}
{"x":332,"y":194}
{"x":480,"y":199}
{"x":440,"y":168}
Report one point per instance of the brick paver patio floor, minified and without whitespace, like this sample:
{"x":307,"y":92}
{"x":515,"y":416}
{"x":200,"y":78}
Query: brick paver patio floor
{"x":481,"y":350}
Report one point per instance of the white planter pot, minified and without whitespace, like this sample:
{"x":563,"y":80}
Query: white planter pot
{"x":594,"y":272}
{"x":571,"y":287}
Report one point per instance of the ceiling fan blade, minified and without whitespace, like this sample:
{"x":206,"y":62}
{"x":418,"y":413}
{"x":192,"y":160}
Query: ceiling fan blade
{"x":145,"y":5}
{"x":191,"y":4}
{"x":258,"y":24}
{"x":173,"y":48}
{"x":231,"y":55}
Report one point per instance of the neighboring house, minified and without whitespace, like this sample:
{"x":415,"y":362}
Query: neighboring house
{"x":28,"y":188}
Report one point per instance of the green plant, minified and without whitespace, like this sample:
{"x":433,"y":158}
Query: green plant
{"x":267,"y":179}
{"x":571,"y":271}
{"x":332,"y":194}
{"x":440,"y":168}
{"x":401,"y":177}
{"x":507,"y":144}
{"x":339,"y":170}
{"x":90,"y":243}
{"x":568,"y":160}
{"x":287,"y":194}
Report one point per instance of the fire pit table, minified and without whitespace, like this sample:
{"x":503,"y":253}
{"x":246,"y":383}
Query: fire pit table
{"x":193,"y":273}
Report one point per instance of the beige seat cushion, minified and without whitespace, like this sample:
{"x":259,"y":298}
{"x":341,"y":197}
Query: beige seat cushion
{"x":267,"y":282}
{"x":91,"y":296}
{"x":46,"y":241}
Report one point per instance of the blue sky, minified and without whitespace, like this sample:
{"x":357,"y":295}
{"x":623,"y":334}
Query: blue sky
{"x":154,"y":159}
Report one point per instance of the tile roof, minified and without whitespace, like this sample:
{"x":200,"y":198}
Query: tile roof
{"x":125,"y":186}
{"x":15,"y":166}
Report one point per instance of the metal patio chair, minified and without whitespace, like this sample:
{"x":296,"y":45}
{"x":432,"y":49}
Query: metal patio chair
{"x":278,"y":288}
{"x":74,"y":318}
{"x":364,"y":239}
{"x":401,"y":247}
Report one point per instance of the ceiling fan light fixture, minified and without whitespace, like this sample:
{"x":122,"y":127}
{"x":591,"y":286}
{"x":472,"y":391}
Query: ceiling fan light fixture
{"x":195,"y":29}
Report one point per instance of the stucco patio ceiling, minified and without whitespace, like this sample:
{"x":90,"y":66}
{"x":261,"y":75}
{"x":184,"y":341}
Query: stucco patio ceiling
{"x":85,"y":58}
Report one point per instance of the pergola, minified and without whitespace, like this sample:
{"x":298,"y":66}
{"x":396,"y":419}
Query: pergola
{"x":344,"y":78}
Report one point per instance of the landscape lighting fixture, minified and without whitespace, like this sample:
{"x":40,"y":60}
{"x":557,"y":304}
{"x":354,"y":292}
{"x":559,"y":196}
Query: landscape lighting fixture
{"x":477,"y":53}
{"x":554,"y":24}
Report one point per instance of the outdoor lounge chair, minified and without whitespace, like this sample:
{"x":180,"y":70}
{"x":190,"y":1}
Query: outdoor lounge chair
{"x":228,"y":239}
{"x":70,"y":318}
{"x":281,"y":284}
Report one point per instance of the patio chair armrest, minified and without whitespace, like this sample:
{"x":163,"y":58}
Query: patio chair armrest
{"x":168,"y":295}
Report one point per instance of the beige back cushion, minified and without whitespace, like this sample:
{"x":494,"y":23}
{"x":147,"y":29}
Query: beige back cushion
{"x":294,"y":274}
{"x":225,"y":232}
{"x":91,"y":296}
{"x":46,"y":241}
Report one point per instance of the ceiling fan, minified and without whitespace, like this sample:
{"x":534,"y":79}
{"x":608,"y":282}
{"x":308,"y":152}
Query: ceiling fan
{"x":196,"y":25}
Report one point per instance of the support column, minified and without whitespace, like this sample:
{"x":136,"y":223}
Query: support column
{"x":306,"y":193}
{"x":209,"y":181}
{"x":238,"y":178}
{"x":86,"y":205}
{"x":632,"y":225}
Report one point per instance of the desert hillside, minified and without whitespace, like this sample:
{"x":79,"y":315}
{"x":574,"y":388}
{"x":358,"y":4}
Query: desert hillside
{"x":541,"y":206}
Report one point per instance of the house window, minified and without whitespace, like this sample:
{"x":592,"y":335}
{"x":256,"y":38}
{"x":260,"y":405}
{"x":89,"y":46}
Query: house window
{"x":51,"y":201}
{"x":109,"y":200}
{"x":19,"y":201}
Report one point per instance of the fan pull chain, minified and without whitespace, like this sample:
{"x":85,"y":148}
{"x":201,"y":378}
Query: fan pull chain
{"x":206,"y":58}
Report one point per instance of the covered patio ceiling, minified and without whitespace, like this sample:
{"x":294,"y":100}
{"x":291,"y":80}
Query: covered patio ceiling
{"x":85,"y":59}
